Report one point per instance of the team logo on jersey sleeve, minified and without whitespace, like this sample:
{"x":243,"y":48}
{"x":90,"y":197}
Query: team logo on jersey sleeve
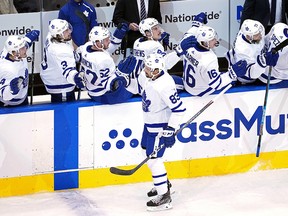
{"x":145,"y":102}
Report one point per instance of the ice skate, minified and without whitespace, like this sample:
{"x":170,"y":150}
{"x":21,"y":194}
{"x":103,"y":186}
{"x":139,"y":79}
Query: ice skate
{"x":153,"y":191}
{"x":161,"y":202}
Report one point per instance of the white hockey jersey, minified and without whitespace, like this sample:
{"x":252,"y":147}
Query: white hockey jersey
{"x":141,"y":49}
{"x":99,"y":69}
{"x":244,"y":50}
{"x":9,"y":70}
{"x":58,"y":67}
{"x":280,"y":71}
{"x":201,"y":74}
{"x":160,"y":102}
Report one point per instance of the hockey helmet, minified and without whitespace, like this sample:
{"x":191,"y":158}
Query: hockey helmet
{"x":205,"y":34}
{"x":15,"y":43}
{"x":251,"y":29}
{"x":58,"y":26}
{"x":147,"y":25}
{"x":280,"y":33}
{"x":154,"y":61}
{"x":98,"y":33}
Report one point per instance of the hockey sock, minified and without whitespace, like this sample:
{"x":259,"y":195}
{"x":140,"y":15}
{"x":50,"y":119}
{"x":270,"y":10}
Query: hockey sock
{"x":159,"y":175}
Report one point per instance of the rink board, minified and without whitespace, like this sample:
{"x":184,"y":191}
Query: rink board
{"x":49,"y":147}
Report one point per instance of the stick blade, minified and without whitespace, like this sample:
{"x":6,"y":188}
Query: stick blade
{"x":117,"y":171}
{"x":258,"y":151}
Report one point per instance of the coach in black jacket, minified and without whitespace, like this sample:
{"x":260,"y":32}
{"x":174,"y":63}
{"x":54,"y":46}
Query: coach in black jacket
{"x":260,"y":10}
{"x":127,"y":11}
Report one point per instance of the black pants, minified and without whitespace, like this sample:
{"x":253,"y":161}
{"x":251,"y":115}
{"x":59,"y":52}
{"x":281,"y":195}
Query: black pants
{"x":63,"y":97}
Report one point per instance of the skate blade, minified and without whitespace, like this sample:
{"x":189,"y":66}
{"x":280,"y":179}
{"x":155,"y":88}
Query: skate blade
{"x":163,"y":207}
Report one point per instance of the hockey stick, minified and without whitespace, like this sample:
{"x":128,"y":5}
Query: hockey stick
{"x":118,"y":171}
{"x":263,"y":113}
{"x":32,"y":72}
{"x":273,"y":50}
{"x":79,"y":94}
{"x":78,"y":68}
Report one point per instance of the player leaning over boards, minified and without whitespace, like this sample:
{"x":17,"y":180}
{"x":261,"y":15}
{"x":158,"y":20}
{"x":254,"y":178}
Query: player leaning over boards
{"x":163,"y":111}
{"x":150,"y":43}
{"x":201,"y":74}
{"x":105,"y":83}
{"x":249,"y":46}
{"x":58,"y":68}
{"x":14,"y":77}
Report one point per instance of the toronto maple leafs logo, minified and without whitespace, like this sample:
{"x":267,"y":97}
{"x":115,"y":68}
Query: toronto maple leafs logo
{"x":25,"y":79}
{"x":145,"y":102}
{"x":86,"y":13}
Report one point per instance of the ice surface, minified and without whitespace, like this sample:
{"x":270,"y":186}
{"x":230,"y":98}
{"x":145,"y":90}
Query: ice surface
{"x":258,"y":193}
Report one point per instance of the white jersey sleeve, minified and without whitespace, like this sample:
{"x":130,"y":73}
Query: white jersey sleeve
{"x":194,"y":28}
{"x":66,"y":61}
{"x":171,"y":59}
{"x":114,"y":44}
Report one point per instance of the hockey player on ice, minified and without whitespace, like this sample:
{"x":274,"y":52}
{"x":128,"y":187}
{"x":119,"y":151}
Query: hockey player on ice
{"x":14,"y":76}
{"x":105,"y":83}
{"x":201,"y":75}
{"x":150,"y":43}
{"x":279,"y":70}
{"x":58,"y":68}
{"x":249,"y":46}
{"x":163,"y":110}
